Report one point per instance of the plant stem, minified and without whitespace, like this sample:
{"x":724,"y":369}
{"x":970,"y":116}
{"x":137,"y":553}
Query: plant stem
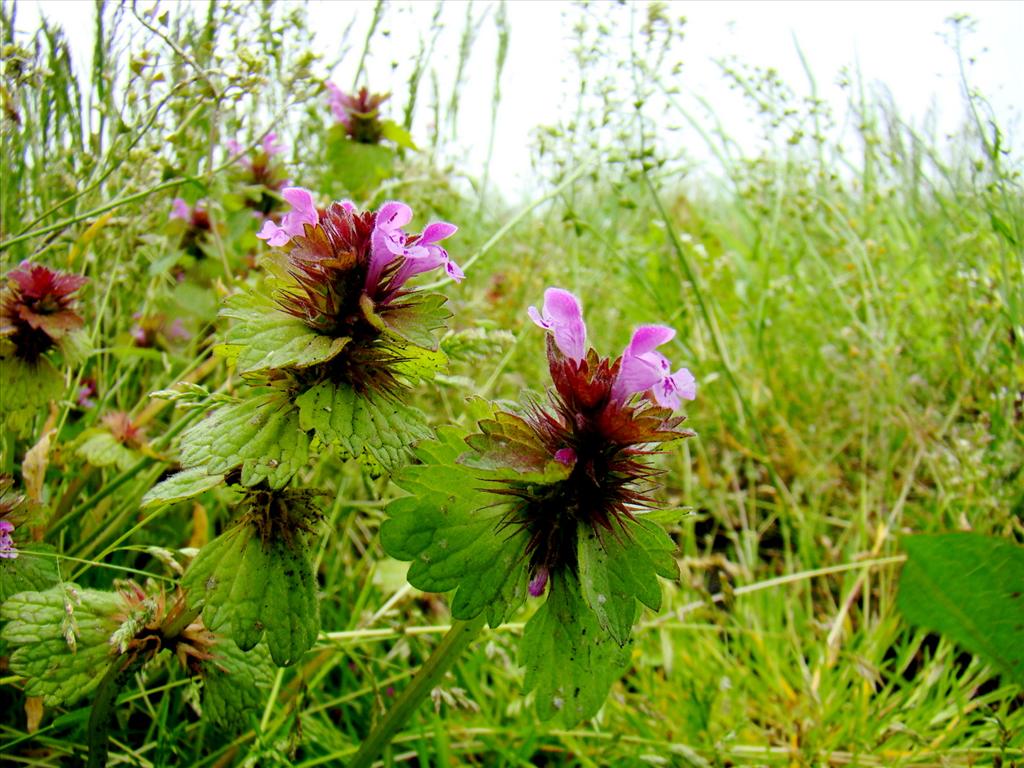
{"x":103,"y":706}
{"x":459,"y":636}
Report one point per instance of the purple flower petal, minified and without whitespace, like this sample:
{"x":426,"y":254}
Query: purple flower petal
{"x":563,"y":316}
{"x":565,"y":456}
{"x":438,"y":230}
{"x":644,"y":370}
{"x":180,"y":210}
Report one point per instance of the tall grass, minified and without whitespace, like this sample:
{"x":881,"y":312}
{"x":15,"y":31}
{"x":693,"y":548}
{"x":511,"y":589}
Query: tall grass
{"x":854,"y":313}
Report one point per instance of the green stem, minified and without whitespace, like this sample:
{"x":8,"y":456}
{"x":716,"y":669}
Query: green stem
{"x":459,"y":636}
{"x":103,"y":706}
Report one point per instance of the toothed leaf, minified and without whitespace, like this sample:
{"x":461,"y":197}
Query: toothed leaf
{"x":62,"y":636}
{"x":571,"y":662}
{"x":255,"y":579}
{"x":416,"y":317}
{"x":375,"y":428}
{"x":261,"y":434}
{"x":180,"y":486}
{"x":236,"y":684}
{"x":263,"y":337}
{"x":101,"y":449}
{"x":34,"y":569}
{"x":450,"y":528}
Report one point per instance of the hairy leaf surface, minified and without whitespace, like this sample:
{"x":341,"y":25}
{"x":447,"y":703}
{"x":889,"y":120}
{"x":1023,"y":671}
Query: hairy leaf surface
{"x":180,"y":486}
{"x":34,"y":569}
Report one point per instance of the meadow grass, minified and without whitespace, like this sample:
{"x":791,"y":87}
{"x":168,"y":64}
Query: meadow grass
{"x":854,"y":317}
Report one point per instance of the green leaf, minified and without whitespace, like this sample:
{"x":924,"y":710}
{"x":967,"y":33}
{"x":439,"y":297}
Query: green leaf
{"x":375,"y":426}
{"x":263,"y":337}
{"x":34,"y":569}
{"x":356,"y":168}
{"x":25,"y":391}
{"x":180,"y":486}
{"x":417,"y":364}
{"x":615,"y":572}
{"x":416,"y":316}
{"x":42,"y":623}
{"x":256,"y":579}
{"x":970,"y":588}
{"x":261,"y":434}
{"x":392,"y":131}
{"x":101,"y":449}
{"x":450,"y":528}
{"x":508,"y":449}
{"x":571,"y":662}
{"x":236,"y":684}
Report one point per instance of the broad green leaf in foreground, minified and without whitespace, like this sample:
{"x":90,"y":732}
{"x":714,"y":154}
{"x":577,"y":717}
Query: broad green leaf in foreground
{"x":451,"y":529}
{"x":416,"y":316}
{"x":46,"y":624}
{"x":375,"y":425}
{"x":35,"y":569}
{"x":256,"y":579}
{"x":263,"y":337}
{"x":260,"y":434}
{"x":616,"y":571}
{"x":970,"y":588}
{"x":571,"y":662}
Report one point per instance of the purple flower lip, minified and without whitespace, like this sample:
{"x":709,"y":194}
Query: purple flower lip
{"x":646,"y":370}
{"x":539,"y":581}
{"x":563,"y":316}
{"x":294,"y":222}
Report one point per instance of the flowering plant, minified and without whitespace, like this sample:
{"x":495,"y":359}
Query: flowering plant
{"x":328,"y":352}
{"x":38,"y":317}
{"x":560,"y":504}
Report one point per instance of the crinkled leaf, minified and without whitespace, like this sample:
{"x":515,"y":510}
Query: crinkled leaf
{"x":507,"y":448}
{"x":236,"y":684}
{"x":37,"y":622}
{"x":970,"y":588}
{"x":101,"y":449}
{"x":180,"y":486}
{"x":450,"y":528}
{"x":416,"y":316}
{"x":615,"y":571}
{"x":261,"y":434}
{"x":380,"y":427}
{"x":34,"y":569}
{"x":571,"y":662}
{"x":250,"y":587}
{"x":660,"y":547}
{"x":263,"y":337}
{"x":25,"y":391}
{"x":418,"y":363}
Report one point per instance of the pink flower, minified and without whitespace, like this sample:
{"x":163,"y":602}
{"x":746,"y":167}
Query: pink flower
{"x":293,"y":224}
{"x":645,"y":370}
{"x":180,"y":210}
{"x":422,"y":254}
{"x":563,"y":316}
{"x":7,"y":548}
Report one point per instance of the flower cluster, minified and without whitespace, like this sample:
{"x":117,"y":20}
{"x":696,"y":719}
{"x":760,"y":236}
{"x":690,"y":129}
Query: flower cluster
{"x":198,"y":225}
{"x":7,"y":548}
{"x":604,"y":417}
{"x":348,"y":269}
{"x":359,"y":114}
{"x":263,"y":171}
{"x":37,"y":309}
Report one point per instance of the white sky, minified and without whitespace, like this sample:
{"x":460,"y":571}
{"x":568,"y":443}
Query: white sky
{"x":896,"y":43}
